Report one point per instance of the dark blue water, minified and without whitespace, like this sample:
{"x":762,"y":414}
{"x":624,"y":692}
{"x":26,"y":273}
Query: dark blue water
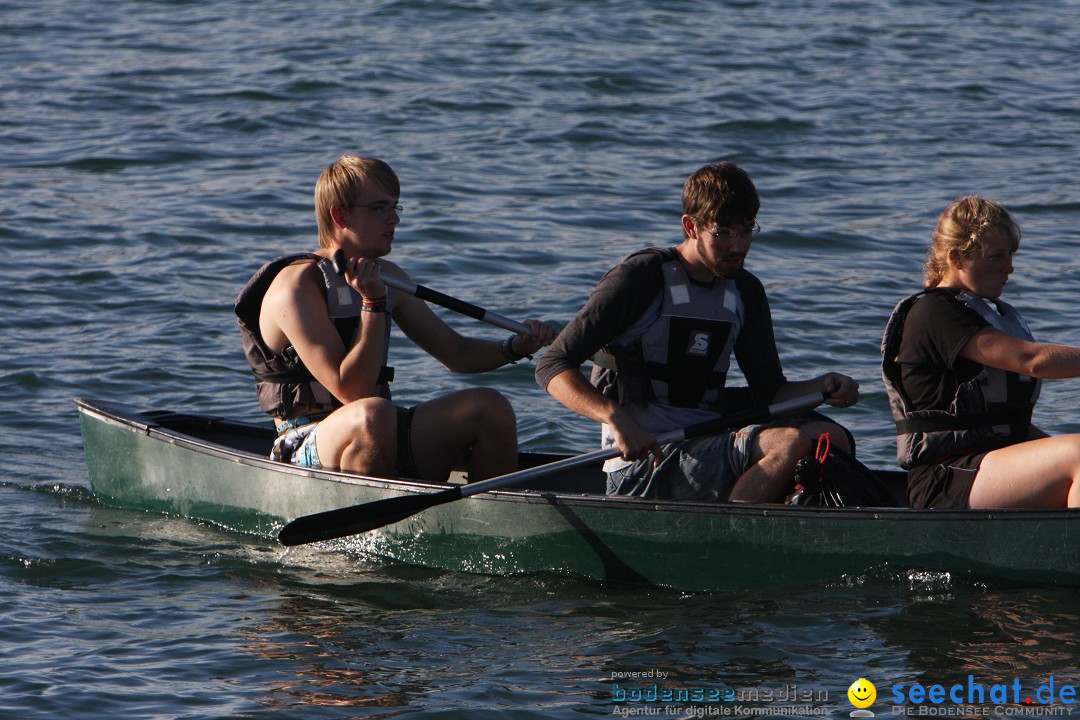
{"x":154,"y":153}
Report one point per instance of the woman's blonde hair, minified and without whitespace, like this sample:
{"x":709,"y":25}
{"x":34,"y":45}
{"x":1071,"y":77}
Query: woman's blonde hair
{"x":340,"y":184}
{"x":965,"y":226}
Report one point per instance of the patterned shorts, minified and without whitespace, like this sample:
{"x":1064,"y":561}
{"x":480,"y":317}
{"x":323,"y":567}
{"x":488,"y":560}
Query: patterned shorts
{"x":296,"y":443}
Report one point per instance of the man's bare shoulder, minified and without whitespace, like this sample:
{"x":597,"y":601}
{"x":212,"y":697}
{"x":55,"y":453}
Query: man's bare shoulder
{"x":296,"y":288}
{"x":296,"y":277}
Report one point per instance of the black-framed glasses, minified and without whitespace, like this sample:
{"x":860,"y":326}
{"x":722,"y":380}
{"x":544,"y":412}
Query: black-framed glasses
{"x":382,"y":209}
{"x":728,"y":233}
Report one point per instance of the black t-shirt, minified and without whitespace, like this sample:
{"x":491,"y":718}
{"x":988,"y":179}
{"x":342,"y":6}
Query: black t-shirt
{"x":936,"y":329}
{"x":627,"y":291}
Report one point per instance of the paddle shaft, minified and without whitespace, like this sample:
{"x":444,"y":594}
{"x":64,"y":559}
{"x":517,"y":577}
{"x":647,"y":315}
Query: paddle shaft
{"x":794,"y":406}
{"x":446,"y":301}
{"x":379,"y":513}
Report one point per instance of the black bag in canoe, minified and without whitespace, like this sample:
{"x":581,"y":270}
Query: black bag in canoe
{"x":834,"y":478}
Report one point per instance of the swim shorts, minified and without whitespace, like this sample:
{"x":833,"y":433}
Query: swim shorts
{"x":296,"y":443}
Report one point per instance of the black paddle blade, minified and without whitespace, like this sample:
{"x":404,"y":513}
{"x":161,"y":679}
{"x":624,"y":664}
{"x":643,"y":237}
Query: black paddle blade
{"x":360,"y":518}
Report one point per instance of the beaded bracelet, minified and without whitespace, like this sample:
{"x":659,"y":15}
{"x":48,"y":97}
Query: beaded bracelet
{"x":373,"y":305}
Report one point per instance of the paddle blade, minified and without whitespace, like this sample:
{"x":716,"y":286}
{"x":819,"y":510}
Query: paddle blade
{"x":360,"y":518}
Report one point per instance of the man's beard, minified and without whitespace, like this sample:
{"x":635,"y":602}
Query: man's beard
{"x":718,"y":270}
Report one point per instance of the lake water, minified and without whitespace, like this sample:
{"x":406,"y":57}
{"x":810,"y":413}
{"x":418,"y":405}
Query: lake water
{"x":154,"y":153}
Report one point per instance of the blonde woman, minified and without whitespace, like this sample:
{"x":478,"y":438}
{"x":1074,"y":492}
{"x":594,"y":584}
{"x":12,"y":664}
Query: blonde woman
{"x":962,"y":372}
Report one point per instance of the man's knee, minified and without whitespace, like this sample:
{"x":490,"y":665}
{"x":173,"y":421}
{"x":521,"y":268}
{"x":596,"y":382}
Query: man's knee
{"x":373,"y":420}
{"x":784,"y":443}
{"x":490,"y":408}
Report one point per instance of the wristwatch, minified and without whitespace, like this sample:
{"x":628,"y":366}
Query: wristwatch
{"x":510,"y":353}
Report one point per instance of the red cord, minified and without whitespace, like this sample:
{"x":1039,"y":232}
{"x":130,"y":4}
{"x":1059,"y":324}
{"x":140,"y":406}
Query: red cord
{"x":821,"y":454}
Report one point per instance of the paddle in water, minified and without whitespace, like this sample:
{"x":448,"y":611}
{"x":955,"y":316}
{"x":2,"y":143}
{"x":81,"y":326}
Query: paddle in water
{"x":450,"y":303}
{"x":379,"y":513}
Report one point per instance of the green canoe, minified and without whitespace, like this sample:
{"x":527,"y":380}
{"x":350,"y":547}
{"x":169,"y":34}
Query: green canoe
{"x":218,"y":471}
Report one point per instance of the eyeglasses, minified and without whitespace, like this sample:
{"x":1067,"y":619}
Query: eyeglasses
{"x":382,"y":209}
{"x":727,"y":233}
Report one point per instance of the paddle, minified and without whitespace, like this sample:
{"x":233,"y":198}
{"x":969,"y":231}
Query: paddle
{"x":378,"y":513}
{"x":450,"y":303}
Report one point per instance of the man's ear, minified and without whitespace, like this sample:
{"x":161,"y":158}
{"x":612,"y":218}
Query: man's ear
{"x":337,"y":216}
{"x":689,"y":228}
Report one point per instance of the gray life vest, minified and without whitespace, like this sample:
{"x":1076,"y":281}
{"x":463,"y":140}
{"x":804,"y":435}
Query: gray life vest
{"x":991,"y":410}
{"x":282,"y":383}
{"x":682,"y":359}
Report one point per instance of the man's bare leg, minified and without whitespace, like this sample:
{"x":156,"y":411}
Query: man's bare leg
{"x":776,"y":453}
{"x":479,"y":422}
{"x":360,"y":437}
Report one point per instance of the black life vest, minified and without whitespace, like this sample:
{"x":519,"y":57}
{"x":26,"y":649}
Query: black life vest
{"x":991,"y":410}
{"x":282,"y":382}
{"x":682,"y":358}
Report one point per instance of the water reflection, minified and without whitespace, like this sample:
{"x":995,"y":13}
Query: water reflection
{"x":447,"y":639}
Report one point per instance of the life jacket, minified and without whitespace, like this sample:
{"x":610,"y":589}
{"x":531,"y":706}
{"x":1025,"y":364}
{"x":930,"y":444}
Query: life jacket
{"x":682,"y":359}
{"x":991,"y":410}
{"x":282,"y":382}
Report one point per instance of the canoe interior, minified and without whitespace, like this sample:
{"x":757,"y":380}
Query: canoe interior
{"x":257,"y":439}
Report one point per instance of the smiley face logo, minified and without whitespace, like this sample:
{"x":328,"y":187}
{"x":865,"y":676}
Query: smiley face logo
{"x":862,"y":693}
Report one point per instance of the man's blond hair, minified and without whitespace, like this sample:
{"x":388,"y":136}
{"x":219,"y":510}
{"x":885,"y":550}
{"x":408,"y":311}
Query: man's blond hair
{"x":342,"y":182}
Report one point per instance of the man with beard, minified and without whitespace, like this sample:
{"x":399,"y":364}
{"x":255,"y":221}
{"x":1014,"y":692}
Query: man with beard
{"x":661,"y":328}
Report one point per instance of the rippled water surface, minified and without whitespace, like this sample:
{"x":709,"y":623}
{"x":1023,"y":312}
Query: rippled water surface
{"x":153,"y":154}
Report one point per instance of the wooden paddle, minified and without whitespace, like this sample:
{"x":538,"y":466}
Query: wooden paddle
{"x":378,"y":513}
{"x":446,"y":301}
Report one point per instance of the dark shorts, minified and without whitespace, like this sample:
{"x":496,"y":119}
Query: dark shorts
{"x":406,"y":463}
{"x":702,"y":468}
{"x":945,"y":485}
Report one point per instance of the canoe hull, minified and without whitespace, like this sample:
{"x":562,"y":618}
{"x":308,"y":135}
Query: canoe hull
{"x":178,"y":464}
